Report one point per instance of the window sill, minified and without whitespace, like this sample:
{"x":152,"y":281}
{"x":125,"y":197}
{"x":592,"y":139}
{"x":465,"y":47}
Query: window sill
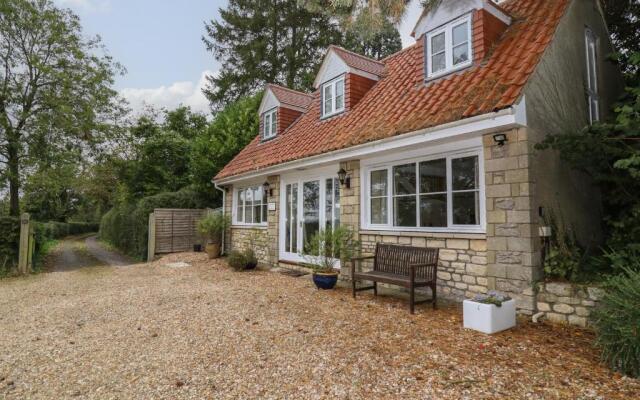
{"x":246,"y":226}
{"x":440,"y":75}
{"x":335,"y":114}
{"x":449,"y":234}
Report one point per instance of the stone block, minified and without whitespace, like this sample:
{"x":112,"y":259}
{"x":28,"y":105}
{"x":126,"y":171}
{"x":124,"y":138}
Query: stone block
{"x":563,"y":308}
{"x":418,"y":242}
{"x":482,"y":281}
{"x":477,"y":270}
{"x":508,"y":257}
{"x":458,"y":266}
{"x":578,"y":321}
{"x":496,"y":217}
{"x":543,"y":306}
{"x":519,"y":244}
{"x":469,"y":279}
{"x":559,"y":288}
{"x":478,"y":289}
{"x":460,"y":285}
{"x":404,"y":240}
{"x":519,"y":272}
{"x":481,"y":260}
{"x":588,"y":303}
{"x":505,"y":204}
{"x":508,"y":229}
{"x":519,"y":217}
{"x":390,"y":239}
{"x":463,"y":257}
{"x":556,"y":318}
{"x":595,"y":293}
{"x":445,"y":276}
{"x":582,"y":311}
{"x":501,"y":190}
{"x":501,"y":164}
{"x":497,"y":270}
{"x":568,"y":300}
{"x":461,"y":244}
{"x":496,"y":243}
{"x":440,"y":244}
{"x":448,"y":255}
{"x":478,"y":245}
{"x":456,"y":277}
{"x":517,"y":176}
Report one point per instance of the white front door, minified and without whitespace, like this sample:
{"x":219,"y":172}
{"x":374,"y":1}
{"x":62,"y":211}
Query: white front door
{"x":308,"y":205}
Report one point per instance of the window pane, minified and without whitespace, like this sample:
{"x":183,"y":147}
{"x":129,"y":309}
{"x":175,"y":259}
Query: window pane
{"x":433,"y":176}
{"x":328,"y":205}
{"x":433,"y":210}
{"x":257,"y":204}
{"x":437,"y":43}
{"x":248,"y":206}
{"x":379,"y":183}
{"x":240,"y":206}
{"x":460,"y":34}
{"x":466,"y":208}
{"x":460,"y":54}
{"x":404,"y":179}
{"x":274,"y":123}
{"x":465,"y":173}
{"x":339,"y":94}
{"x":267,"y":124}
{"x":379,"y":210}
{"x":404,"y":211}
{"x":438,"y":62}
{"x":328,"y":98}
{"x":336,"y":203}
{"x":264,"y":212}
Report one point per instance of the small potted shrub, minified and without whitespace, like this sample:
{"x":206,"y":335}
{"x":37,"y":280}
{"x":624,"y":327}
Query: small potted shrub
{"x":324,"y":251}
{"x":237,"y":260}
{"x":212,"y":227}
{"x":489,"y":313}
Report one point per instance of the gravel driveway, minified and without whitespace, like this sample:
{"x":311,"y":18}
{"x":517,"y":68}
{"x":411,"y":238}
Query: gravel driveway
{"x":151,"y":331}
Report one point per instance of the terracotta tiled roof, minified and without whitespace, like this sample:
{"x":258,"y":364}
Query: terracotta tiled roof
{"x":358,"y":61}
{"x":290,"y":96}
{"x":401,"y":103}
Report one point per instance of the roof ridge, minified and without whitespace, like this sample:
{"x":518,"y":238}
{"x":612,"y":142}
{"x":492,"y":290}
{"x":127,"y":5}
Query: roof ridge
{"x":356,"y":54}
{"x":289,"y":89}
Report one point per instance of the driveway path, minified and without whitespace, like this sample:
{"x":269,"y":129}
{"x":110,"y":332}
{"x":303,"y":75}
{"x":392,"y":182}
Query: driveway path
{"x":82,"y":251}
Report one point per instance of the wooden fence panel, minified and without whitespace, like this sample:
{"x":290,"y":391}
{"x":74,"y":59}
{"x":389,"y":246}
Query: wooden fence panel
{"x":176,"y":229}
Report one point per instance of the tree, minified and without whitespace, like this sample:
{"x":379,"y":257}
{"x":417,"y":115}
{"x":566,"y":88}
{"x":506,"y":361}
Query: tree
{"x":265,"y":41}
{"x":55,"y":87}
{"x":378,"y":46}
{"x":623,"y":20}
{"x":231,"y":130}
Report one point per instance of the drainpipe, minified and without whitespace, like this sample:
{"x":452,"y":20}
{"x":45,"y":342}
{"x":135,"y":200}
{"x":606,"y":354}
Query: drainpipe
{"x":224,"y":203}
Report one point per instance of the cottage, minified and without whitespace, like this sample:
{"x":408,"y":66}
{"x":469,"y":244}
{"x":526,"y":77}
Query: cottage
{"x":434,"y":145}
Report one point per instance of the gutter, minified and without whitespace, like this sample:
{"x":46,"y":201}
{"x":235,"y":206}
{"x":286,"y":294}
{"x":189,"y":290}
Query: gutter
{"x":224,"y":202}
{"x":511,"y":117}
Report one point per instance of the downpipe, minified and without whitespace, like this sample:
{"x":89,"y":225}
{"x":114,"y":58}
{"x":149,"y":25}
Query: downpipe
{"x":224,"y":202}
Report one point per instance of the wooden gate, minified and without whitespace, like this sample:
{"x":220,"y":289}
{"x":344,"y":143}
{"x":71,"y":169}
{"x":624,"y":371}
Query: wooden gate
{"x":176,"y":229}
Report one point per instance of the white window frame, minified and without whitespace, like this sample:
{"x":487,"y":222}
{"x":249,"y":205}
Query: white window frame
{"x":448,"y":46}
{"x":593,"y":97}
{"x":333,"y":83}
{"x":450,"y":228}
{"x":238,"y":220}
{"x":268,"y":129}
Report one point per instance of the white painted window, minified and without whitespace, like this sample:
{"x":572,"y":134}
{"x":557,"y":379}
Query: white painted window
{"x":270,"y":124}
{"x":448,"y":48}
{"x":593,"y":97}
{"x":440,"y":193}
{"x":333,"y":97}
{"x":250,"y":206}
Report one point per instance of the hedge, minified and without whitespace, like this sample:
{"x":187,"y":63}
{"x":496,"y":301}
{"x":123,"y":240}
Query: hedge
{"x":9,"y":242}
{"x":126,"y":226}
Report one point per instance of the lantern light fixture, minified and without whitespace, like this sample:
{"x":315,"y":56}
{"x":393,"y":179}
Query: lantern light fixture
{"x":344,"y":178}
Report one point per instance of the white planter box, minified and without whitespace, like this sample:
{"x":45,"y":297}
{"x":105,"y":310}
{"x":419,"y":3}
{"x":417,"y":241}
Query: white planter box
{"x":489,"y":318}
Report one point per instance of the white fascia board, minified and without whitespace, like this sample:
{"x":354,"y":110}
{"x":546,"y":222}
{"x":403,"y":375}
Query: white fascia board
{"x":512,"y":117}
{"x":334,"y":66}
{"x":269,"y":102}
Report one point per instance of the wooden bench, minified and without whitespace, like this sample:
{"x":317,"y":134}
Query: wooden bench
{"x":405,"y":266}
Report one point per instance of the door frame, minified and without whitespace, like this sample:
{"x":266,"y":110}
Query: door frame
{"x":320,"y":174}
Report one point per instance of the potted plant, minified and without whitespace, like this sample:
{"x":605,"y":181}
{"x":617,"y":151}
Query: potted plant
{"x":489,"y":313}
{"x":323,"y":253}
{"x":212,"y":227}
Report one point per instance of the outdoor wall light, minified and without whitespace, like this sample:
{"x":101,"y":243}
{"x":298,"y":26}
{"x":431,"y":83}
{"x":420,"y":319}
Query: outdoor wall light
{"x":500,"y":138}
{"x":267,"y":189}
{"x":344,"y":178}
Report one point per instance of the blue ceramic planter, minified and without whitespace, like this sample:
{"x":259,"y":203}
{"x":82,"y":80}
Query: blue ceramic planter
{"x":325,"y":281}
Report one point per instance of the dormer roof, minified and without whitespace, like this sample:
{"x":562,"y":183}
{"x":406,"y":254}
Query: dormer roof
{"x":280,"y":96}
{"x":339,"y":60}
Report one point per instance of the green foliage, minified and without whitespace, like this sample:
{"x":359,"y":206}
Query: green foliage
{"x":564,"y":258}
{"x":609,"y":152}
{"x":379,"y":45}
{"x":617,"y":321}
{"x":325,"y":248}
{"x":237,"y":260}
{"x":624,"y":26}
{"x":231,"y":130}
{"x":9,"y":243}
{"x":213,"y":226}
{"x":126,"y":225}
{"x":259,"y":42}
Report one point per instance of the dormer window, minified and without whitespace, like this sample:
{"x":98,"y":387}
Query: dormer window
{"x":270,"y":124}
{"x":333,"y":97}
{"x":449,"y":47}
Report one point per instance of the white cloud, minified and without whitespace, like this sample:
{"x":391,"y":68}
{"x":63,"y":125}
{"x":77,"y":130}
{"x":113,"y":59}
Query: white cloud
{"x":86,"y":5}
{"x":185,"y":93}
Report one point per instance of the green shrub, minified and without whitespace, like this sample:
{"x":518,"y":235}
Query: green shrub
{"x":237,"y":260}
{"x":9,"y":243}
{"x":617,"y":322}
{"x":126,"y":226}
{"x":212,"y":226}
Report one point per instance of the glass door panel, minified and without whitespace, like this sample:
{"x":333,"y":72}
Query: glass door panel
{"x":310,"y":210}
{"x":291,"y":219}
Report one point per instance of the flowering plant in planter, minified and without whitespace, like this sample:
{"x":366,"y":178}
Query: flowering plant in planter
{"x":489,"y":313}
{"x":325,"y":250}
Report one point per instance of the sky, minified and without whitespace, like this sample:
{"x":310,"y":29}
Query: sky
{"x":159,"y":43}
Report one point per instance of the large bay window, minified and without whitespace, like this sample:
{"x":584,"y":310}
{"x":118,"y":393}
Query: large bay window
{"x":449,"y":48}
{"x":333,"y":97}
{"x":442,"y":193}
{"x":250,"y":206}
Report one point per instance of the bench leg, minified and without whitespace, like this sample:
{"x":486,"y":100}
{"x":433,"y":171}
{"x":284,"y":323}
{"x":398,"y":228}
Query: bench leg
{"x":433,"y":292}
{"x":412,"y":299}
{"x":375,"y":288}
{"x":353,"y":285}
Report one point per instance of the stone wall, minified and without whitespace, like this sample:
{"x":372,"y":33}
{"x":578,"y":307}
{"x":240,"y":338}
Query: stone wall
{"x":243,"y":238}
{"x":567,"y":303}
{"x":350,"y":206}
{"x":462,"y":265}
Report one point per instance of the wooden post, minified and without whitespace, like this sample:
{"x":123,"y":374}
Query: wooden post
{"x":23,"y":251}
{"x":32,"y":247}
{"x":151,"y":245}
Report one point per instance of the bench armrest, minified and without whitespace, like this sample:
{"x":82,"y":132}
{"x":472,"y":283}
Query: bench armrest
{"x":354,"y":261}
{"x":414,"y":267}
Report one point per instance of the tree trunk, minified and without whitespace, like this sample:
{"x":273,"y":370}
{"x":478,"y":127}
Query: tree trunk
{"x":13,"y":163}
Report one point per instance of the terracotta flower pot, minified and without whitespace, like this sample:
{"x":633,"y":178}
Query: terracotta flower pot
{"x":213,"y":250}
